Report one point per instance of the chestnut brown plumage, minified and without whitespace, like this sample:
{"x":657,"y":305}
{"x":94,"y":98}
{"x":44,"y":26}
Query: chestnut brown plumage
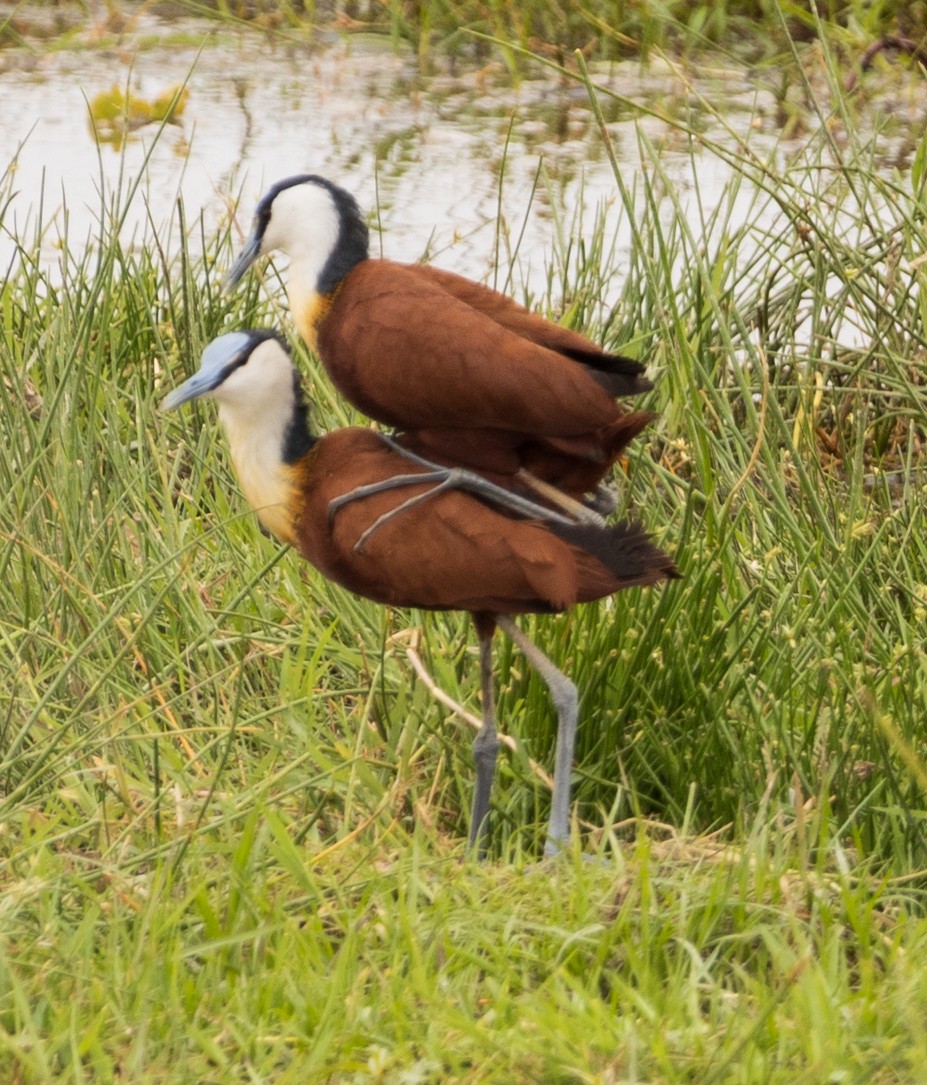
{"x":473,"y":377}
{"x":452,"y":551}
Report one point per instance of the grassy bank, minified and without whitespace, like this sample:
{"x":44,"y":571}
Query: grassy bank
{"x":760,"y":31}
{"x":233,"y":813}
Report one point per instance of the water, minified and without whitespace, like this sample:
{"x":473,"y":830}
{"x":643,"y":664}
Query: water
{"x":428,"y":151}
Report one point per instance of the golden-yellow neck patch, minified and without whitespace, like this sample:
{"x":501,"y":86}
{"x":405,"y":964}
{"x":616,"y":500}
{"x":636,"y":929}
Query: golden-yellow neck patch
{"x":308,"y":308}
{"x":269,"y":484}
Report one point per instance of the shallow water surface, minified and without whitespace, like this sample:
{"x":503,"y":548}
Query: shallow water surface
{"x":428,"y":152}
{"x":458,"y":164}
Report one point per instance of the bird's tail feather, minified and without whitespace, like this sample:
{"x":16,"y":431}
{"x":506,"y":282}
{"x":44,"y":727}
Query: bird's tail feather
{"x":624,"y":549}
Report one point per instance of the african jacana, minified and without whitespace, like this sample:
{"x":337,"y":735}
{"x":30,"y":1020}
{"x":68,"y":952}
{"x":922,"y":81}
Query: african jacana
{"x":472,"y":376}
{"x":450,"y":552}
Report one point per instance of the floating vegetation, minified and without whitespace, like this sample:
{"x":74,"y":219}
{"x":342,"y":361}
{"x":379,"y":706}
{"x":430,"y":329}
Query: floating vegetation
{"x":116,"y":113}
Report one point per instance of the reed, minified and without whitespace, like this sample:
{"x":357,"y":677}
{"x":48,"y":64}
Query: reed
{"x":761,"y":30}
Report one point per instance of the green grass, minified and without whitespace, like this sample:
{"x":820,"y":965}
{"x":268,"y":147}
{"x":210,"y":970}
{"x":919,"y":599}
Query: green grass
{"x":756,"y":30}
{"x":233,"y":817}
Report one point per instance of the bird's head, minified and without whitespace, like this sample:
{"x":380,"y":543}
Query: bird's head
{"x":314,"y":222}
{"x":242,"y":371}
{"x":252,"y":378}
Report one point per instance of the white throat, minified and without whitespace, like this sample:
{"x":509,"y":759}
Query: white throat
{"x":305,"y":225}
{"x":256,"y":406}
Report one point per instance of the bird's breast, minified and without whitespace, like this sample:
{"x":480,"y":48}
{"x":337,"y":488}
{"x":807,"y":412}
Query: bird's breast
{"x":308,"y":307}
{"x":269,"y":484}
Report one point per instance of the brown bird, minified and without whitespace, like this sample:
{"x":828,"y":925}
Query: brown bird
{"x":453,"y":551}
{"x":471,"y":376}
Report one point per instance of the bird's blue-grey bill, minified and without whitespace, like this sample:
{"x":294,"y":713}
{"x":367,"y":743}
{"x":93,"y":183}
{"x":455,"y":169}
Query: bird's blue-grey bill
{"x":192,"y":388}
{"x":218,"y":360}
{"x":246,"y":258}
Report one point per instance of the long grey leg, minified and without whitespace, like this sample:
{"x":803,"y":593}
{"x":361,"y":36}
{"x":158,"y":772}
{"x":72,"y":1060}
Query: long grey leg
{"x":566,"y":701}
{"x":486,"y":743}
{"x":580,"y":512}
{"x":448,"y":478}
{"x":444,"y":484}
{"x":380,"y":487}
{"x":576,"y":510}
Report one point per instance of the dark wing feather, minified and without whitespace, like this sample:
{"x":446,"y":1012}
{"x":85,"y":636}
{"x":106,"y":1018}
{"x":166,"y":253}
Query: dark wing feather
{"x":623,"y":549}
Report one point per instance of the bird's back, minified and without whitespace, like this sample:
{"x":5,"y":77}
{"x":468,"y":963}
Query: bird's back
{"x":453,"y":551}
{"x":621,"y":375}
{"x":410,"y":354}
